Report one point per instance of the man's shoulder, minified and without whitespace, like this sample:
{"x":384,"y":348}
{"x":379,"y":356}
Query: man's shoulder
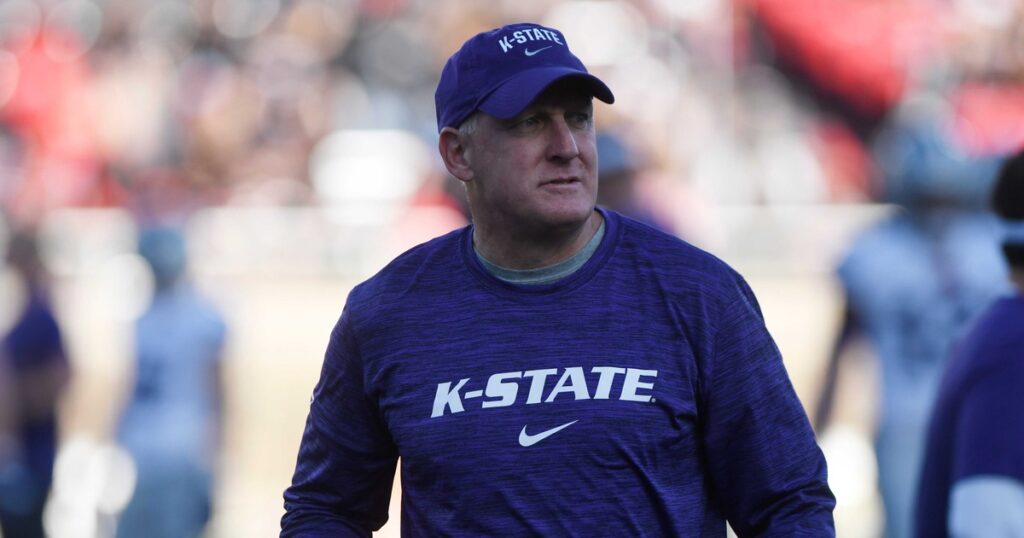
{"x":992,"y":344}
{"x":985,"y":362}
{"x":669,"y":253}
{"x":684,"y":273}
{"x":423,"y":266}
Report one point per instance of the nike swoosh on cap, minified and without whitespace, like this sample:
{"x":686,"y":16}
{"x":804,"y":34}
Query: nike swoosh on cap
{"x":529,"y":52}
{"x":526,"y":439}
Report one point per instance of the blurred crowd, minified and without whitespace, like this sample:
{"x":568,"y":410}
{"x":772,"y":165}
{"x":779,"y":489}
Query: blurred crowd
{"x":163,"y":108}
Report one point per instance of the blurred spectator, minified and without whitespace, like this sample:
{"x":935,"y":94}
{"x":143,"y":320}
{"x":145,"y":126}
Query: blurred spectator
{"x":912,"y":283}
{"x":34,"y":371}
{"x":972,"y":482}
{"x":172,"y":422}
{"x":617,"y":182}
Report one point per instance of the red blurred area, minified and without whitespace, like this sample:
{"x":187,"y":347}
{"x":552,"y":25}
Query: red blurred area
{"x":50,"y":112}
{"x":861,"y":51}
{"x":990,"y":117}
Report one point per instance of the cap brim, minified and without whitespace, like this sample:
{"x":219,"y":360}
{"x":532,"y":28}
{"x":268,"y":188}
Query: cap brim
{"x":516,"y":93}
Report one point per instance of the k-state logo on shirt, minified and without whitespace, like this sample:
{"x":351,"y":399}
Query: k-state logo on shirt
{"x":502,"y":389}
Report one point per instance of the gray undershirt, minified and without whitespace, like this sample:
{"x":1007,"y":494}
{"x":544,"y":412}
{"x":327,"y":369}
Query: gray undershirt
{"x":544,"y":275}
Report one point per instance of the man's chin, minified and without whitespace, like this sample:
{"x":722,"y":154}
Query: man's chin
{"x":567,"y":217}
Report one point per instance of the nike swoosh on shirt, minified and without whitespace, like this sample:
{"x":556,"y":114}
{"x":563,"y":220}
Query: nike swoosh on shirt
{"x":529,"y":52}
{"x":526,"y":439}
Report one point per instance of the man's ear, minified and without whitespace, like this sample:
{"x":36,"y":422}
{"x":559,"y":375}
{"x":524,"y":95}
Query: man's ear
{"x":452,"y":145}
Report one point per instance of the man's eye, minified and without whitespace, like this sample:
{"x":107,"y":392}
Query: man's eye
{"x":580,"y":119}
{"x":528,"y":124}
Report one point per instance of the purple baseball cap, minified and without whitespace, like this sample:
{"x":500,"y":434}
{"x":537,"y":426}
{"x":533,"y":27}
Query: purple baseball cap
{"x":502,"y":71}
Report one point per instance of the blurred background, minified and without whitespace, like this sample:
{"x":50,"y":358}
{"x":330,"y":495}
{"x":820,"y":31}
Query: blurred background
{"x":290,"y":145}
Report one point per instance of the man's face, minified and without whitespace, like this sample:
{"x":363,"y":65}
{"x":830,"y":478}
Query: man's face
{"x":538,"y":170}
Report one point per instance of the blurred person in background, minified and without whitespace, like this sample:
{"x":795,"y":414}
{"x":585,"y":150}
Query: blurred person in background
{"x":555,"y":368}
{"x":35,"y":373}
{"x":172,"y":423}
{"x":912,"y":283}
{"x":972,"y":482}
{"x":617,"y":178}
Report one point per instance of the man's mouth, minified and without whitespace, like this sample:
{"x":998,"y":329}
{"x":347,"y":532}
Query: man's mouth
{"x":561,"y":181}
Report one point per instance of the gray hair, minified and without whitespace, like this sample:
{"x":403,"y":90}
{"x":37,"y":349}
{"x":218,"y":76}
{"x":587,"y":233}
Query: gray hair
{"x":468,"y":125}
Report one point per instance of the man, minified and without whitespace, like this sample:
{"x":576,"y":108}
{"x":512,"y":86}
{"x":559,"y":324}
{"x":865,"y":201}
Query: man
{"x":972,"y":482}
{"x":913,"y":282}
{"x":620,"y":177}
{"x":34,"y":375}
{"x":171,"y":425}
{"x":553,"y":369}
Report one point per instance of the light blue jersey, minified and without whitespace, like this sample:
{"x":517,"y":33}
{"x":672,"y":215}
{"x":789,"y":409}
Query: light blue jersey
{"x":170,"y":424}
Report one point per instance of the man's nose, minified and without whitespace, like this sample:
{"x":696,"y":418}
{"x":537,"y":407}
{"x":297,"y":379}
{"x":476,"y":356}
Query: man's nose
{"x":562,"y":143}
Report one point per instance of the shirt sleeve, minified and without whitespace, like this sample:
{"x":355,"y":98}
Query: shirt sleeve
{"x":987,"y":462}
{"x":767,"y":473}
{"x":990,"y":425}
{"x":346,"y":462}
{"x":36,"y":340}
{"x":983,"y":506}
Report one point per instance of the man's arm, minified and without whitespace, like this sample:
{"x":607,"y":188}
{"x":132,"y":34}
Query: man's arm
{"x":346,"y":463}
{"x":8,"y":414}
{"x":767,"y":473}
{"x":987,"y":497}
{"x":41,"y":388}
{"x":849,"y":328}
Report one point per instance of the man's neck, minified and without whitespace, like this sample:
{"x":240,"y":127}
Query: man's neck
{"x":534,"y":250}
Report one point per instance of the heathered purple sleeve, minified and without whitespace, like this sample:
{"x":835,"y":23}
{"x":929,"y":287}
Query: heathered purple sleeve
{"x":346,"y":463}
{"x":766,"y":469}
{"x":989,"y":433}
